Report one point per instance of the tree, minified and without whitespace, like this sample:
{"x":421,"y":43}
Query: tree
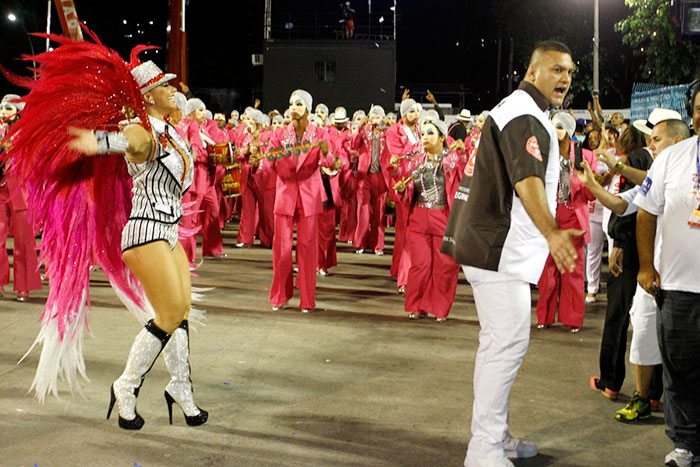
{"x":665,"y":57}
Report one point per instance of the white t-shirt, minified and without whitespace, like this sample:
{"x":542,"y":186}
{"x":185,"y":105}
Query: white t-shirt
{"x":669,"y":193}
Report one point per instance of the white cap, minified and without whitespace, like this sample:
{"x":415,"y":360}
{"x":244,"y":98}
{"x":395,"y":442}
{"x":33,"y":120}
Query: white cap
{"x":564,"y":121}
{"x":322,"y":108}
{"x":256,"y":116}
{"x":181,"y":101}
{"x":439,"y":124}
{"x":359,"y":113}
{"x":208,"y":114}
{"x":305,"y":98}
{"x":149,"y":76}
{"x":407,"y":105}
{"x":12,"y":99}
{"x":378,"y":110}
{"x":194,"y":104}
{"x":277,"y":119}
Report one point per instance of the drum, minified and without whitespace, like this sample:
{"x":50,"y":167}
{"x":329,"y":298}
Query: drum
{"x":221,"y":154}
{"x":231,"y":184}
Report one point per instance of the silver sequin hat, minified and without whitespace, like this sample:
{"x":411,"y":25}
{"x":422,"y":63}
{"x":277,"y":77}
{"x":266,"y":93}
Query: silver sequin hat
{"x":149,"y":76}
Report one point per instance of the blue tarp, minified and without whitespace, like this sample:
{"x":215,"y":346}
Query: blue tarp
{"x":646,"y":97}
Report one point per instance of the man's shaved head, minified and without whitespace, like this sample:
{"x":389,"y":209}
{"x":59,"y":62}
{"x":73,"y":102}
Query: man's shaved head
{"x":548,"y":46}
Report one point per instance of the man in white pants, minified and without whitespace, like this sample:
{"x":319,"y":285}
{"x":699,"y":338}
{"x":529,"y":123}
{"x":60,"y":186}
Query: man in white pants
{"x":501,"y":230}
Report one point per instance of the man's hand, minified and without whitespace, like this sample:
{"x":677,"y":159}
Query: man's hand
{"x":615,"y":261}
{"x":84,"y":141}
{"x":561,"y":247}
{"x":394,"y":161}
{"x":586,"y":175}
{"x":406,"y":94}
{"x":337,"y":164}
{"x":400,"y":186}
{"x":255,"y":159}
{"x":458,"y":145}
{"x":649,"y":279}
{"x":431,"y":98}
{"x":257,"y":104}
{"x":323,"y":146}
{"x":184,"y":87}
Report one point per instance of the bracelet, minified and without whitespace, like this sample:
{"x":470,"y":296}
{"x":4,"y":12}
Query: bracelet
{"x":619,"y":167}
{"x":111,"y":142}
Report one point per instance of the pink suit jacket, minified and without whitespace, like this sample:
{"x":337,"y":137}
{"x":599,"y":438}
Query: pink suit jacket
{"x":452,"y":166}
{"x":362,"y":143}
{"x":580,"y":195}
{"x":298,"y":176}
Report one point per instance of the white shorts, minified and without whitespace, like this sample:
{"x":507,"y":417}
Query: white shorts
{"x":644,"y":349}
{"x":139,"y":232}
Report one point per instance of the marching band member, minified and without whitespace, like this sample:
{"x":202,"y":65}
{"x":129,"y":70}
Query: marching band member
{"x":370,"y":142}
{"x":348,"y":197}
{"x":295,"y":153}
{"x":205,"y":208}
{"x":322,"y":113}
{"x":402,"y":139}
{"x":435,"y":173}
{"x":13,"y":216}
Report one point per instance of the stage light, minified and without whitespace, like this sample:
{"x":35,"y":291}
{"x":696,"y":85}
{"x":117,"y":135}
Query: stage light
{"x":12,"y":17}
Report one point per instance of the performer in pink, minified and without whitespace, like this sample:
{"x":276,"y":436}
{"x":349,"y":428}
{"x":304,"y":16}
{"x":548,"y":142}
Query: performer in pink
{"x":119,"y":209}
{"x":370,"y":142}
{"x":265,"y":182}
{"x":567,"y":290}
{"x":435,"y":173}
{"x":205,"y":206}
{"x":295,"y":153}
{"x":331,"y":198}
{"x":13,"y":216}
{"x":348,"y":192}
{"x":402,"y":139}
{"x":250,"y":142}
{"x":216,"y":132}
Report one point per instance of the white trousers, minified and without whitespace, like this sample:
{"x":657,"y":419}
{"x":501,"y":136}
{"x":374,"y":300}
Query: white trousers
{"x":503,"y":306}
{"x":644,"y":348}
{"x":594,"y":256}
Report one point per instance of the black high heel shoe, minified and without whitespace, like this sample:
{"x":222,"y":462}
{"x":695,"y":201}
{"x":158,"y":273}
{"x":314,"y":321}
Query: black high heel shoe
{"x":194,"y":420}
{"x":135,"y":424}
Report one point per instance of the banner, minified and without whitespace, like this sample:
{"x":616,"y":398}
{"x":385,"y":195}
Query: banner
{"x":69,"y":19}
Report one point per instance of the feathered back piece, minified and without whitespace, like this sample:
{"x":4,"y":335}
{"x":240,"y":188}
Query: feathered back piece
{"x":80,"y":203}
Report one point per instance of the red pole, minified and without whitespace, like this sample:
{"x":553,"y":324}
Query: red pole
{"x":177,"y":42}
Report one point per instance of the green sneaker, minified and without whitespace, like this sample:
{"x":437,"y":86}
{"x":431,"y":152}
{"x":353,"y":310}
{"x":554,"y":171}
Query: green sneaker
{"x":636,"y":409}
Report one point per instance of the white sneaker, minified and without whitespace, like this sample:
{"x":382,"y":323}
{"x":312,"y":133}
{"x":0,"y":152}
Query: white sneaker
{"x":487,"y":462}
{"x":681,"y":458}
{"x":517,"y":449}
{"x":591,"y":298}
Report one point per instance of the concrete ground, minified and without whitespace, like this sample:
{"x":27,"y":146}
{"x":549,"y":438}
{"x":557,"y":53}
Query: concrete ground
{"x":353,"y":384}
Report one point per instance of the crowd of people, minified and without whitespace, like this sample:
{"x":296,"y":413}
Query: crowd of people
{"x":519,"y":195}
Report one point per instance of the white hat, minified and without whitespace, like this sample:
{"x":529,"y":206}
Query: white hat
{"x":465,"y":116}
{"x":641,"y":125}
{"x":378,"y":110}
{"x":208,"y":114}
{"x":340,"y":115}
{"x":12,"y":99}
{"x":322,"y":108}
{"x":194,"y":104}
{"x":181,"y":101}
{"x":287,"y":113}
{"x":236,"y":113}
{"x":277,"y":119}
{"x":657,"y":116}
{"x":406,"y":106}
{"x":149,"y":76}
{"x":564,"y":121}
{"x":305,"y":98}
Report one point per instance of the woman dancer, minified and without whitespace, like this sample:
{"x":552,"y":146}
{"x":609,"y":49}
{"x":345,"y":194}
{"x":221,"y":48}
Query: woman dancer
{"x":433,"y":177}
{"x":68,"y":189}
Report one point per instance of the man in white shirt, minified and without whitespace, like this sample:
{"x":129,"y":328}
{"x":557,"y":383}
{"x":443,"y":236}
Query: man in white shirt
{"x":670,"y":197}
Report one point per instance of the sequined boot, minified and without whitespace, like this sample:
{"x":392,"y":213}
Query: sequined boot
{"x":147,"y":346}
{"x":177,"y":359}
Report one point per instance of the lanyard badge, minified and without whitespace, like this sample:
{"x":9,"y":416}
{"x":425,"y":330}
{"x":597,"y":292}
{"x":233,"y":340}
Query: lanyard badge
{"x":694,"y":220}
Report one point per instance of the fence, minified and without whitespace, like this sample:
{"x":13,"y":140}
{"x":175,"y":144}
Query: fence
{"x":646,"y":97}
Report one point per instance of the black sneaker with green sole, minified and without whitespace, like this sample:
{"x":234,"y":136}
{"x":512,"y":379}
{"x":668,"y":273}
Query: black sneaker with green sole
{"x":636,"y":409}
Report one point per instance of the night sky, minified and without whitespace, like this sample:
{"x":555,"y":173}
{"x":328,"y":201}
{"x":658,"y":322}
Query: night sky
{"x":444,"y":45}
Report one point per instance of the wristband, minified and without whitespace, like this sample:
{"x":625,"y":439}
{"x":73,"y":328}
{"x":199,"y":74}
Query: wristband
{"x":111,"y":142}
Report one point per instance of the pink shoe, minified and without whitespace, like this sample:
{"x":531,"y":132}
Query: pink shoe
{"x":605,"y":392}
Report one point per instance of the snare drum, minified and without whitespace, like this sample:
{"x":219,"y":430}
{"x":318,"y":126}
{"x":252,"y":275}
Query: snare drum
{"x":221,"y":154}
{"x":231,"y":184}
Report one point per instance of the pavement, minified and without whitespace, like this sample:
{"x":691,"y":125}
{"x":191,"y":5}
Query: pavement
{"x":353,"y":384}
